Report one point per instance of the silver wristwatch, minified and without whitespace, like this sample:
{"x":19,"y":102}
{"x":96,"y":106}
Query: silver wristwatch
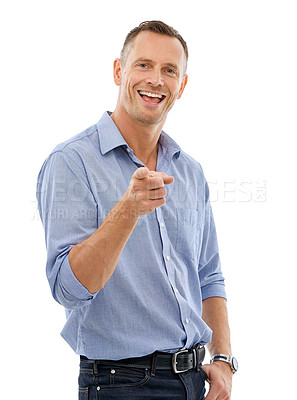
{"x":227,"y":359}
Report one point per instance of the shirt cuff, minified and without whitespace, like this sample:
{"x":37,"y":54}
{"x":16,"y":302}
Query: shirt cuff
{"x":214,"y":291}
{"x":71,"y":284}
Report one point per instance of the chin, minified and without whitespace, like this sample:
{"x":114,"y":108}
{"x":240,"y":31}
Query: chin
{"x":147,"y":120}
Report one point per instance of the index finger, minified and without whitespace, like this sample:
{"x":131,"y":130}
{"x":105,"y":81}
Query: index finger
{"x":166,"y":178}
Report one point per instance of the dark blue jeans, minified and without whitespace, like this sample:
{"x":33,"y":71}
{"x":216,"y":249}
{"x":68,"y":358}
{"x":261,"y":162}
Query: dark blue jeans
{"x":119,"y":383}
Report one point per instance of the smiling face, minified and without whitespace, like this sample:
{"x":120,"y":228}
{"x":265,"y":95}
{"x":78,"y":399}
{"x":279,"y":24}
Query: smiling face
{"x":151,"y":78}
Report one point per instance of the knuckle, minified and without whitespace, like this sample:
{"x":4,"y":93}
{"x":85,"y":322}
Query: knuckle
{"x":161,"y":193}
{"x":157,"y":182}
{"x":162,"y":202}
{"x":220,"y":385}
{"x":147,"y":204}
{"x":160,"y":182}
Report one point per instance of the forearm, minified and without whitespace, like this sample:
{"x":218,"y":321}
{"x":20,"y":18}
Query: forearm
{"x":219,"y":373}
{"x":93,"y":261}
{"x":215,"y":315}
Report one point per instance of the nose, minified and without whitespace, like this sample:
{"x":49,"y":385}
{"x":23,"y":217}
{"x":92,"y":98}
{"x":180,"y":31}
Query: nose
{"x":155,"y":78}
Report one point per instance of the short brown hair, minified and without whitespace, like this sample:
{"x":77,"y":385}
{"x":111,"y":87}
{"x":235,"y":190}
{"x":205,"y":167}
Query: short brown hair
{"x":156,"y":27}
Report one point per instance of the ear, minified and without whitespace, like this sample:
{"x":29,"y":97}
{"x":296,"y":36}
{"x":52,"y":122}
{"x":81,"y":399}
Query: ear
{"x":182,"y":86}
{"x":117,"y":71}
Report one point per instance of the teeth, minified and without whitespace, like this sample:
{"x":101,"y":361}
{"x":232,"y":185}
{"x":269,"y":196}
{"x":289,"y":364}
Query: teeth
{"x":149,"y":94}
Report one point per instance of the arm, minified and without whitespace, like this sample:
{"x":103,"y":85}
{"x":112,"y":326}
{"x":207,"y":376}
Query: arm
{"x":215,"y":315}
{"x":70,"y":221}
{"x":214,"y":310}
{"x":219,"y":373}
{"x":94,"y":260}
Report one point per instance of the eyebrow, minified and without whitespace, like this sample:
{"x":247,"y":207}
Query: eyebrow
{"x":143,"y":59}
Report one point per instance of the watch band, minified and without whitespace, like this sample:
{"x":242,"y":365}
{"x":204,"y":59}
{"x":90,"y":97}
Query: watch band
{"x":227,"y":359}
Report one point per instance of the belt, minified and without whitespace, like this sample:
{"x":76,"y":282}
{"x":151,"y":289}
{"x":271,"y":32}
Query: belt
{"x":181,"y":361}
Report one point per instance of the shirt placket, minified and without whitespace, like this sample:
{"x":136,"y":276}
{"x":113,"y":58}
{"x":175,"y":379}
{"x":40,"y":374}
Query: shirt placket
{"x":170,"y":270}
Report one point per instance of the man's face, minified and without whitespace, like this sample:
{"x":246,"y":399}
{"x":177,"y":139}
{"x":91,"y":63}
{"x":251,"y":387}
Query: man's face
{"x":152,"y":77}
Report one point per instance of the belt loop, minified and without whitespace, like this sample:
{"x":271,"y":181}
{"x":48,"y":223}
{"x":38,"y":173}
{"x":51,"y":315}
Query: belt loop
{"x":195,"y":358}
{"x":154,"y":364}
{"x":95,"y":367}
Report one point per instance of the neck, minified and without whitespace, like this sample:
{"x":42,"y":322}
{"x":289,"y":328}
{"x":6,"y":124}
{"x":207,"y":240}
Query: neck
{"x":143,"y":139}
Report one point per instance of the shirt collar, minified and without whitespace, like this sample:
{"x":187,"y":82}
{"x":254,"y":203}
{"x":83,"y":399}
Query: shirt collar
{"x":110,"y":137}
{"x":169,"y":145}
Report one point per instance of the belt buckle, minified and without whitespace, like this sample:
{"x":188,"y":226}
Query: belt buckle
{"x":199,"y":354}
{"x":175,"y":362}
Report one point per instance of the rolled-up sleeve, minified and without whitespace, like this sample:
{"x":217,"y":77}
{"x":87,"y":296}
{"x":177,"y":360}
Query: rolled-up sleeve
{"x":210,"y":274}
{"x":69,"y":215}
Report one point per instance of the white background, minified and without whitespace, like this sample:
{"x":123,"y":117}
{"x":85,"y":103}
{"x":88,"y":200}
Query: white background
{"x":237,"y":117}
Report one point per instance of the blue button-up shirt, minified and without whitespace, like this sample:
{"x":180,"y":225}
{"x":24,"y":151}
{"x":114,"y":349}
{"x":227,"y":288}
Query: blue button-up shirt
{"x":153,"y":301}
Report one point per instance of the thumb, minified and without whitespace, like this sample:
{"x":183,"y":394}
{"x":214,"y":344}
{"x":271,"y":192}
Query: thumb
{"x":141,"y":173}
{"x":206,"y":369}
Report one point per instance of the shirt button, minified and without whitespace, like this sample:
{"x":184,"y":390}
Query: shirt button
{"x":162,"y":225}
{"x":175,"y":290}
{"x":128,"y":150}
{"x":167,"y":258}
{"x":112,"y":371}
{"x":187,"y":321}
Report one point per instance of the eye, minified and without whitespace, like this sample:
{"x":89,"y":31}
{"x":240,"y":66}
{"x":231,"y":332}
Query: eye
{"x":170,"y":71}
{"x":142,"y":65}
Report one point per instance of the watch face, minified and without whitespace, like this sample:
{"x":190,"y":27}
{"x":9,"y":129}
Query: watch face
{"x":234,"y":364}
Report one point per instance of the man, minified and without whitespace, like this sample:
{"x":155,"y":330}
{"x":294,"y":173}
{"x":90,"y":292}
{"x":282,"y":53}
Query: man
{"x":132,"y":248}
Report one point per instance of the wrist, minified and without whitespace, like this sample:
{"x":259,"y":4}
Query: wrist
{"x":223,"y":367}
{"x":228,"y":360}
{"x":127,"y":209}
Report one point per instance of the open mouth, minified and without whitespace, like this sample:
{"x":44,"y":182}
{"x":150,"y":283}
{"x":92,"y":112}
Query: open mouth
{"x":151,"y":97}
